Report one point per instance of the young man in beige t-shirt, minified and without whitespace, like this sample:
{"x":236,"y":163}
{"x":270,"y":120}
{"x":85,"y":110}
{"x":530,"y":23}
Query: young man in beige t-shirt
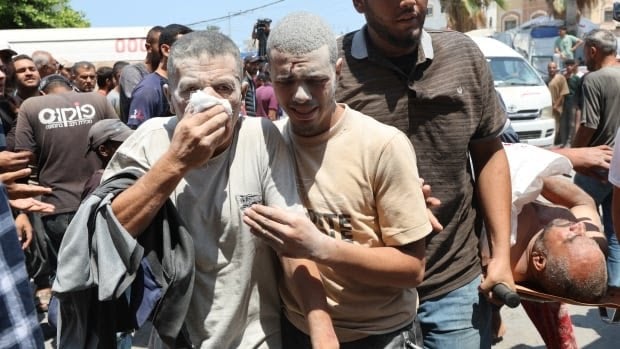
{"x":359,"y":182}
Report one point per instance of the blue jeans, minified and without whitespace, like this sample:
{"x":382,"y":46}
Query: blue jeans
{"x":602,"y":195}
{"x":458,"y":319}
{"x":408,"y":337}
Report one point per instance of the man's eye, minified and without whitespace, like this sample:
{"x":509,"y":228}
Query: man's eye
{"x":223,"y":89}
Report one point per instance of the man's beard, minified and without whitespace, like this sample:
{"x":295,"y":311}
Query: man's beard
{"x":383,"y":31}
{"x":153,"y":59}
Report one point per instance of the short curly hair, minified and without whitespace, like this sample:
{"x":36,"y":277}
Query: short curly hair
{"x":557,"y":279}
{"x":300,"y":33}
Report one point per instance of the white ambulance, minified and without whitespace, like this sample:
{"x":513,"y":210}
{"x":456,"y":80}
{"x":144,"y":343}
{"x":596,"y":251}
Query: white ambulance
{"x":525,"y":94}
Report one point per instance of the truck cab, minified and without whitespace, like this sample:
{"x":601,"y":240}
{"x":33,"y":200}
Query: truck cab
{"x":525,"y":94}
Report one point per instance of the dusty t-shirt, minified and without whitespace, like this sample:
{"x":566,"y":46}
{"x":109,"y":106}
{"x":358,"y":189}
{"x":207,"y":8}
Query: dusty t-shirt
{"x":55,"y":127}
{"x":359,"y":183}
{"x":235,"y":301}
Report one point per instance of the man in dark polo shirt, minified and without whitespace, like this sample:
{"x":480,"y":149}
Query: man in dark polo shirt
{"x":437,"y":88}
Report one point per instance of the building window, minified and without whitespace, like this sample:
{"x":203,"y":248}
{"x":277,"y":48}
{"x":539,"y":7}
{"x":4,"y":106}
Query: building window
{"x":608,"y":15}
{"x":510,"y":24}
{"x":429,"y":11}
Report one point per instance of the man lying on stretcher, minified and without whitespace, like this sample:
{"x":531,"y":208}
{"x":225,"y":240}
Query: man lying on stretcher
{"x":559,"y":247}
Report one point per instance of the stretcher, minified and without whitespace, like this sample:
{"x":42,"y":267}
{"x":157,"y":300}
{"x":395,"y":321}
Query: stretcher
{"x":608,"y":306}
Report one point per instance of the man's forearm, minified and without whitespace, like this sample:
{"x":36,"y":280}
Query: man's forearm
{"x":304,"y":281}
{"x":563,"y":192}
{"x":494,"y":192}
{"x":136,"y":207}
{"x":390,"y":266}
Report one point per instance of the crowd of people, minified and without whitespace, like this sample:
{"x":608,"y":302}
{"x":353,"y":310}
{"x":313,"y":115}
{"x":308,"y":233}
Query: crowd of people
{"x":331,"y":193}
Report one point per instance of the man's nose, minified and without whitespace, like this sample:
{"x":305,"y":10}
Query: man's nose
{"x":578,"y":228}
{"x":302,"y":94}
{"x":407,"y":3}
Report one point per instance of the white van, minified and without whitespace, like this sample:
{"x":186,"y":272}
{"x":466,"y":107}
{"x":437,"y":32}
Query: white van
{"x":527,"y":98}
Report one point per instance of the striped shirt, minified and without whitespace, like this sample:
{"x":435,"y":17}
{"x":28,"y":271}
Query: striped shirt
{"x":443,"y":104}
{"x":250,"y":96}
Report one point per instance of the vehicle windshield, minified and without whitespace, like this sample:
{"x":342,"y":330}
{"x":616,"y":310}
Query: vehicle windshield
{"x":509,"y":71}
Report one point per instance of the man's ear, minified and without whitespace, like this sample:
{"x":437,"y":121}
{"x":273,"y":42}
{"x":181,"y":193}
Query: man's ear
{"x":338,"y":66}
{"x":165,"y":49}
{"x":103,"y":150}
{"x":359,"y":6}
{"x":539,"y":261}
{"x":169,"y":98}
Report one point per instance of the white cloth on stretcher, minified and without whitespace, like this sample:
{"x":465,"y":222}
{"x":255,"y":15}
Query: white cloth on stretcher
{"x":528,"y":165}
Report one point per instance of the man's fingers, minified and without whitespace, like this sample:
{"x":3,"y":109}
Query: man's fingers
{"x":261,"y":231}
{"x":437,"y":227}
{"x":22,"y":191}
{"x":32,"y":205}
{"x":10,"y":177}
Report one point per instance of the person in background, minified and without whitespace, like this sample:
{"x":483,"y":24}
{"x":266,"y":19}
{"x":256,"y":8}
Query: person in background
{"x":567,"y":121}
{"x":407,"y":77}
{"x":56,"y":142}
{"x":132,"y":74}
{"x":148,"y":98}
{"x":105,"y":80}
{"x":84,"y":76}
{"x":46,"y":63}
{"x":566,"y":44}
{"x":599,"y":123}
{"x":26,"y":79}
{"x":558,"y":89}
{"x":266,"y":101}
{"x":114,"y":94}
{"x":104,"y":137}
{"x":248,"y":86}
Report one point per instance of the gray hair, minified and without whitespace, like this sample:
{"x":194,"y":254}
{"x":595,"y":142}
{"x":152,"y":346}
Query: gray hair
{"x":200,"y":43}
{"x":603,"y":40}
{"x":557,"y":279}
{"x":41,"y":58}
{"x":300,"y":33}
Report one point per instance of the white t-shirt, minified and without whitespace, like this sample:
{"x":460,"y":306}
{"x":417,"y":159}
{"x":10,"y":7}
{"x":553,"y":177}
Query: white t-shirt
{"x":614,"y":167}
{"x":235,"y":302}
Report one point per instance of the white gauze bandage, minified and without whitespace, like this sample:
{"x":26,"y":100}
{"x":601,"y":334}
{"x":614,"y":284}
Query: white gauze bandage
{"x":200,"y":101}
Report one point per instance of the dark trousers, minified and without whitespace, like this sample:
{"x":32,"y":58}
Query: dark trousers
{"x":55,"y":227}
{"x":408,"y":337}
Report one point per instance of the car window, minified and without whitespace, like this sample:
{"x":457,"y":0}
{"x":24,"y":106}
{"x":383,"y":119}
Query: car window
{"x":508,"y":71}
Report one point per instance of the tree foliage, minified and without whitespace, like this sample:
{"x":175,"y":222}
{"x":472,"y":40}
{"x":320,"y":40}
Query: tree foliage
{"x":558,"y":7}
{"x":29,"y":14}
{"x":466,"y":15}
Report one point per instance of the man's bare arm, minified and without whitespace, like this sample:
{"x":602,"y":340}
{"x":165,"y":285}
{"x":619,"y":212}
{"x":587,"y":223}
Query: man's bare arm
{"x":563,"y":192}
{"x":493,"y":189}
{"x":303,"y":280}
{"x":294,"y":235}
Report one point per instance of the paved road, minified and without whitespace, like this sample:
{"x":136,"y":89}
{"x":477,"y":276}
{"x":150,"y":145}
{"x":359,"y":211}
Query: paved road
{"x":591,"y":332}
